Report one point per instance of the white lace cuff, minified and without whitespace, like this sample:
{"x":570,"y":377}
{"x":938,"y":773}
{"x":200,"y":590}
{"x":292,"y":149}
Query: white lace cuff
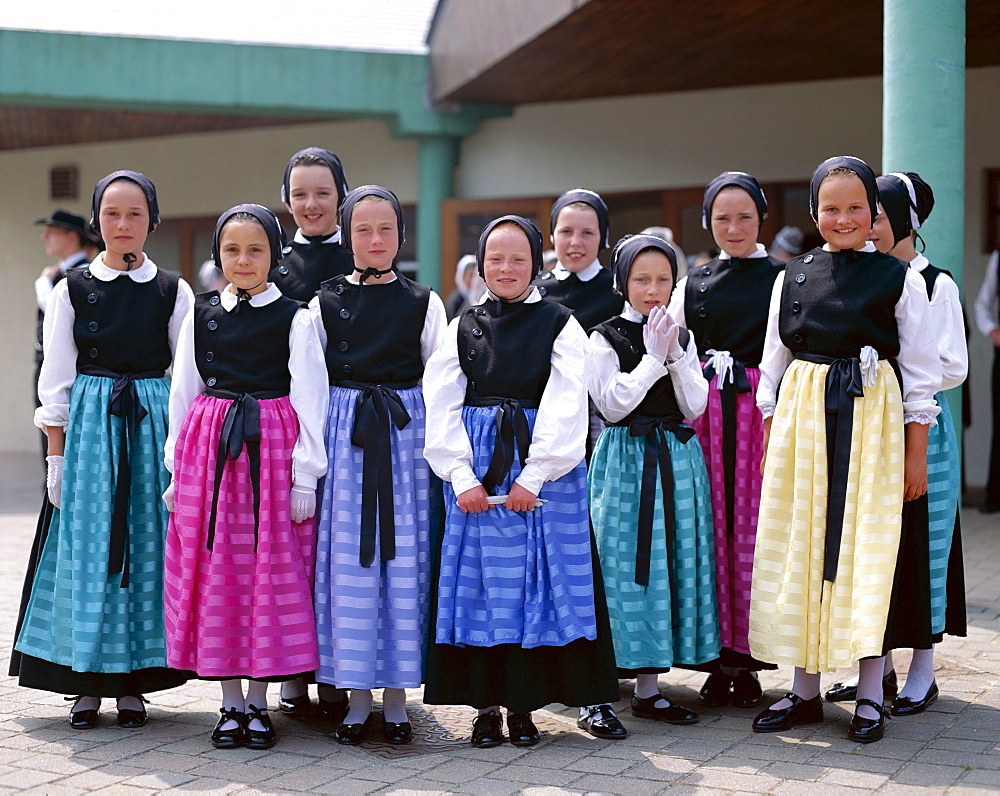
{"x":924,"y":418}
{"x":766,"y":410}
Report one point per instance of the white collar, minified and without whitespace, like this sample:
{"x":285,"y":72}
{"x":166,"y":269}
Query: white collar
{"x":300,"y":238}
{"x":533,"y":296}
{"x":76,"y":258}
{"x":760,"y":251}
{"x":261,"y":299}
{"x":919,"y":263}
{"x":561,"y":272}
{"x":142,"y":273}
{"x":868,"y":247}
{"x":630,"y":313}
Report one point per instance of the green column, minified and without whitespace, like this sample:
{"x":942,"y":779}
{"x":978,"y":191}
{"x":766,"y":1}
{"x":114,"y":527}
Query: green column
{"x":923,"y":120}
{"x":437,"y":158}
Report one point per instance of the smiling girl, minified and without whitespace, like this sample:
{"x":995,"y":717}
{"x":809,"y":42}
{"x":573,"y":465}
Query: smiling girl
{"x":93,"y":625}
{"x":649,"y":491}
{"x":246,"y":449}
{"x":520,"y":618}
{"x":373,"y":559}
{"x":844,"y":320}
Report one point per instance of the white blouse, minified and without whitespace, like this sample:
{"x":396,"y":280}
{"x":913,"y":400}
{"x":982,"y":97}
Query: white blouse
{"x":616,"y":393}
{"x":308,"y":393}
{"x":918,"y":360}
{"x":949,"y":326}
{"x":558,"y":441}
{"x":676,"y":305}
{"x":59,"y":368}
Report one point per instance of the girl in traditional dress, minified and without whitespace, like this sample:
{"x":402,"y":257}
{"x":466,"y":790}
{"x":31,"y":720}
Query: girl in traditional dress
{"x":313,"y":188}
{"x":93,"y":625}
{"x":724,"y":303}
{"x":649,"y":491}
{"x":929,"y":590}
{"x":373,"y":548}
{"x":247,"y":405}
{"x":520,"y":619}
{"x":838,"y":464}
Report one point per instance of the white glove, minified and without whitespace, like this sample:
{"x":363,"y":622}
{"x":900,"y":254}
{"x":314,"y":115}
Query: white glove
{"x":53,"y":478}
{"x":654,"y":334}
{"x":302,"y":503}
{"x":673,"y":334}
{"x":168,"y":497}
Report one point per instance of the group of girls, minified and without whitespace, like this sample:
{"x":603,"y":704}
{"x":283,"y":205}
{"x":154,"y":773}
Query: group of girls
{"x":358,"y":495}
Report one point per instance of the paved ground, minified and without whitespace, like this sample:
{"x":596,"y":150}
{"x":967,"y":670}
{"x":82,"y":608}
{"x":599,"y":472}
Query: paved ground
{"x":953,"y":747}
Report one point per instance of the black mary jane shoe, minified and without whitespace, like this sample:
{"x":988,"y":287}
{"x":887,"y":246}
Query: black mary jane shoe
{"x":747,"y":692}
{"x":671,"y":714}
{"x":487,"y":731}
{"x":839,"y":692}
{"x":234,"y":737}
{"x":904,"y":706}
{"x":521,"y":729}
{"x":716,"y":691}
{"x":801,"y":711}
{"x":868,"y":730}
{"x":133,"y":719}
{"x":295,"y":706}
{"x":397,"y":733}
{"x":335,"y":712}
{"x":350,"y":734}
{"x":259,"y":739}
{"x":602,"y":722}
{"x":82,"y":719}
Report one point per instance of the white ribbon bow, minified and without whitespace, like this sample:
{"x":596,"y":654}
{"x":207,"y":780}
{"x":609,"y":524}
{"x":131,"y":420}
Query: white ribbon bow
{"x":869,"y":366}
{"x":722,"y":363}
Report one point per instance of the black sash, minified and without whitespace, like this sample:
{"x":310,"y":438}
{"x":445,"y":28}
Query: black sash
{"x":512,"y":426}
{"x":843,"y":385}
{"x":655,"y":451}
{"x":125,"y":404}
{"x":376,"y":407}
{"x":240,"y":427}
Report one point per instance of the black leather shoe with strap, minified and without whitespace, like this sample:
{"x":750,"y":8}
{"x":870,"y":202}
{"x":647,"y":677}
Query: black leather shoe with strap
{"x":602,"y":722}
{"x":671,"y":714}
{"x":801,"y":711}
{"x":232,"y":737}
{"x":259,"y":739}
{"x":487,"y":731}
{"x":521,"y":729}
{"x":865,"y":730}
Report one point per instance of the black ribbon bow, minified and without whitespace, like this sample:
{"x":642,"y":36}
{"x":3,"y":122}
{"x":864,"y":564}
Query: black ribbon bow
{"x":367,"y":272}
{"x":125,"y":404}
{"x":376,"y":407}
{"x":512,"y":427}
{"x":240,"y":427}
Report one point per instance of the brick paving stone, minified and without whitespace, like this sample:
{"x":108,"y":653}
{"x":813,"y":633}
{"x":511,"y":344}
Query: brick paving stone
{"x":556,"y":757}
{"x":797,"y":789}
{"x":732,"y":780}
{"x":661,"y":767}
{"x":304,"y":779}
{"x":26,"y":778}
{"x":387,"y":775}
{"x":158,"y":780}
{"x":699,"y":750}
{"x":932,"y":776}
{"x":960,"y":745}
{"x":206,"y":786}
{"x":980,"y":777}
{"x":487,"y":786}
{"x":418,"y":788}
{"x":802,"y":772}
{"x":603,"y":784}
{"x":101,"y":777}
{"x":854,"y":779}
{"x":516,"y":772}
{"x":896,"y":789}
{"x":459,"y":771}
{"x":946,"y":758}
{"x":857,"y":762}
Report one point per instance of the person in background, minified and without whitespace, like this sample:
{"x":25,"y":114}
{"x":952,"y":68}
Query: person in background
{"x":786,"y":244}
{"x":469,"y":288}
{"x":986,"y":320}
{"x":667,"y":234}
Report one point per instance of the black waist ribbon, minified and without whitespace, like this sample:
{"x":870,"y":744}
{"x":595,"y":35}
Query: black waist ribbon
{"x":656,"y":451}
{"x":240,"y":428}
{"x":377,"y":406}
{"x":512,"y":427}
{"x":739,"y":384}
{"x":843,"y":385}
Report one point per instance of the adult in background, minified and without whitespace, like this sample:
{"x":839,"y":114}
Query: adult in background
{"x":986,"y":320}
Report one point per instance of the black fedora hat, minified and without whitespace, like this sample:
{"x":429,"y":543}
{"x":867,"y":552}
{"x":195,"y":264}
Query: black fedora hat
{"x":67,"y":220}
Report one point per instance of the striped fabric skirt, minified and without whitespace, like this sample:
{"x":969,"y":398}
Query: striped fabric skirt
{"x":797,"y":618}
{"x":523,"y":578}
{"x":78,"y":615}
{"x":943,"y":492}
{"x":371,"y":621}
{"x":673,"y":620}
{"x":231,"y":611}
{"x":734,"y":546}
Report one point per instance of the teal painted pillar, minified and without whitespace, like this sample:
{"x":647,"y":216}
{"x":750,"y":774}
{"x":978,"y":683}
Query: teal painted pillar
{"x":437,"y":158}
{"x":923,"y":120}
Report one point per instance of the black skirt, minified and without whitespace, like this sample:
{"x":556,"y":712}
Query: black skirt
{"x":522,"y":680}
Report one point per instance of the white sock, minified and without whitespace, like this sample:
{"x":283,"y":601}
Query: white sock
{"x":804,"y":685}
{"x":889,"y":665}
{"x":361,"y":706}
{"x":394,"y":705}
{"x":291,"y":689}
{"x":647,"y":686}
{"x":257,"y":696}
{"x":129,"y":703}
{"x":86,"y":703}
{"x":232,"y":699}
{"x":585,"y":711}
{"x":870,"y":686}
{"x":920,"y":677}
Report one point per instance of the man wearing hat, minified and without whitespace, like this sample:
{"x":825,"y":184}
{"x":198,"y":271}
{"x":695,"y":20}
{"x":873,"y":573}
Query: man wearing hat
{"x":68,"y":240}
{"x":787,"y":244}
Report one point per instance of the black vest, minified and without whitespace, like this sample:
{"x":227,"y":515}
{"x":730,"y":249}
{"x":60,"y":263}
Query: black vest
{"x":505,"y":350}
{"x":373,"y":331}
{"x":930,"y":275}
{"x":833,"y":304}
{"x":305,"y":266}
{"x":245,"y":351}
{"x":626,"y":340}
{"x":591,"y":302}
{"x":40,"y":322}
{"x":122,"y":325}
{"x":726,"y":304}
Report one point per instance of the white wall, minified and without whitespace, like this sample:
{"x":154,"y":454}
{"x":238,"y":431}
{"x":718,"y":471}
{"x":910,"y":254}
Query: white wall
{"x":195,"y":175}
{"x":774,"y":132}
